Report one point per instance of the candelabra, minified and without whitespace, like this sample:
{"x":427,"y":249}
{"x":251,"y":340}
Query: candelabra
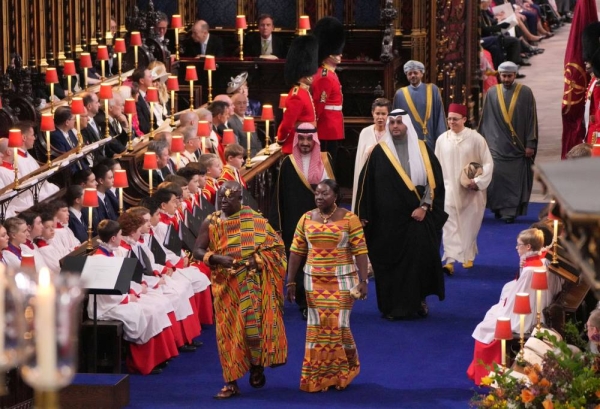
{"x":267,"y":115}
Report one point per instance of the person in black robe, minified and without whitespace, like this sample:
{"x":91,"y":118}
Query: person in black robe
{"x":401,"y":205}
{"x":299,"y":175}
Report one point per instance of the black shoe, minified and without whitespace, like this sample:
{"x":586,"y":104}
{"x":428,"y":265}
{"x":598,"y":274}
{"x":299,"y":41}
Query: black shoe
{"x":520,"y":76}
{"x":424,"y":310}
{"x":509,"y":220}
{"x":156,"y":371}
{"x":525,"y":64}
{"x":187,"y":348}
{"x":197,"y":344}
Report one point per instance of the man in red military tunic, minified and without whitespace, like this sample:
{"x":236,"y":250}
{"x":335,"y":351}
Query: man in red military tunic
{"x":300,"y":65}
{"x":326,"y":87}
{"x":591,"y":56}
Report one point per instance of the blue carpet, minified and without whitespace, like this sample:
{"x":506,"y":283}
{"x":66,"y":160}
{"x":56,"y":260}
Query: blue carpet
{"x":405,"y":364}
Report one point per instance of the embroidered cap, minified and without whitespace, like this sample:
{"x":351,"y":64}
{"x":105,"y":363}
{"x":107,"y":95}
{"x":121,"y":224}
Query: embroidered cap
{"x":508,"y":66}
{"x":412,"y":65}
{"x":397,"y":112}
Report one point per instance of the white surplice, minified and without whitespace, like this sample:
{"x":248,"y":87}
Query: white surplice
{"x":27,"y":165}
{"x":18,"y":203}
{"x":465,"y":207}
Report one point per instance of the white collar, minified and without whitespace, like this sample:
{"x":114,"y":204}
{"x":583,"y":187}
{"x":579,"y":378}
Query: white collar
{"x":75,"y":212}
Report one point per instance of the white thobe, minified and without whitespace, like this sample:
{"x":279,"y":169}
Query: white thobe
{"x":366,"y":142}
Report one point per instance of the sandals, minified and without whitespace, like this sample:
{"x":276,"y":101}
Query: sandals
{"x":228,"y":391}
{"x":257,"y":377}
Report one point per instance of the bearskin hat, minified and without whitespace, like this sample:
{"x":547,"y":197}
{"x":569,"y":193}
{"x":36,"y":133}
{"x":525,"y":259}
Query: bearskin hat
{"x":590,"y":41}
{"x":331,"y":35}
{"x":301,"y":59}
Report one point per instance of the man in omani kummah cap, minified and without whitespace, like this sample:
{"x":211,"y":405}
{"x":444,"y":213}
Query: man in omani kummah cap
{"x":509,"y":125}
{"x":400,"y":199}
{"x":423,"y":102}
{"x":248,"y":263}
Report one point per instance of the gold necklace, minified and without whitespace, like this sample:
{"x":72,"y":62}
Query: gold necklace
{"x":327,"y":217}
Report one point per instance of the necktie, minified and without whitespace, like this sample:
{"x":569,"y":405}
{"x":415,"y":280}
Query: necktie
{"x":69,"y":140}
{"x":109,"y":209}
{"x":203,"y":48}
{"x":265,"y":47}
{"x":83,"y":221}
{"x":117,"y":126}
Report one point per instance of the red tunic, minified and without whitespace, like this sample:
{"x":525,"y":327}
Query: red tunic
{"x":209,"y":191}
{"x":593,"y":94}
{"x":299,"y":108}
{"x":231,"y":174}
{"x":328,"y":99}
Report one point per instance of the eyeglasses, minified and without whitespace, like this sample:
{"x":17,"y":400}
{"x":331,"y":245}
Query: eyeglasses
{"x":454,"y":119}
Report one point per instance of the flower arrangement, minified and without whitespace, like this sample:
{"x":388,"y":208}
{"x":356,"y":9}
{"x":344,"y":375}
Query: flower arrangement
{"x":567,"y":379}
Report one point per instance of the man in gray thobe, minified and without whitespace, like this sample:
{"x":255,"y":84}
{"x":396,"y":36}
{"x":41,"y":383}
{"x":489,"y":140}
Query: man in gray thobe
{"x":509,"y":125}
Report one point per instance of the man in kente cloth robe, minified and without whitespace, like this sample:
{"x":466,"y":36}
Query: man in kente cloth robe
{"x":248,"y":265}
{"x":423,"y":102}
{"x":509,"y":125}
{"x":400,"y":200}
{"x":299,"y":175}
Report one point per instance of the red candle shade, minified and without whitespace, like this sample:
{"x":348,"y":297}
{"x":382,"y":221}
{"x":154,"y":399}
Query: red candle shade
{"x":228,"y":137}
{"x":105,"y":92}
{"x":121,"y":178}
{"x":85,"y":60}
{"x":596,"y":150}
{"x":47,"y":123}
{"x":176,"y":21}
{"x":172,"y":83}
{"x":69,"y":68}
{"x":102,"y":54}
{"x":522,"y":305}
{"x":209,"y":63}
{"x":190,"y":73}
{"x":304,"y":23}
{"x":77,"y":107}
{"x":177,"y":144}
{"x":136,"y":38}
{"x":51,"y":76}
{"x":282,"y":98}
{"x":539,"y":281}
{"x":27,"y":261}
{"x":240,"y":22}
{"x":203,"y":128}
{"x":130,"y":106}
{"x":267,"y":113}
{"x":120,"y":46}
{"x":249,"y":124}
{"x":90,"y":198}
{"x":150,"y":161}
{"x":503,"y":329}
{"x":15,"y":139}
{"x":152,"y":94}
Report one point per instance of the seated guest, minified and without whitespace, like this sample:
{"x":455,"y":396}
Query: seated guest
{"x":220,"y":114}
{"x":143,"y":78}
{"x":160,"y":30}
{"x":149,"y":332}
{"x":27,"y":163}
{"x":24,"y":200}
{"x":234,"y":155}
{"x":239,"y":85}
{"x":106,"y":203}
{"x":159,"y":78}
{"x":196,"y":180}
{"x":201,"y":42}
{"x":78,"y":215}
{"x":236,"y":122}
{"x":64,"y":239}
{"x":45,"y":246}
{"x":487,"y":349}
{"x":17,"y":236}
{"x":161,"y":148}
{"x":34,"y":229}
{"x":118,"y":126}
{"x":182,"y":184}
{"x":85,"y":178}
{"x":63,"y":138}
{"x":264,"y":43}
{"x":214,"y":168}
{"x":191,"y":143}
{"x":3,"y":243}
{"x":96,"y":119}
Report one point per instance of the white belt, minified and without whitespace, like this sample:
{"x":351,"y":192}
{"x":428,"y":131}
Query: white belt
{"x":333,"y":107}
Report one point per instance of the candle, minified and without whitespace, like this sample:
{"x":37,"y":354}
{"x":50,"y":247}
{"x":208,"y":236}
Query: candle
{"x":204,"y":144}
{"x":248,"y":141}
{"x":45,"y":328}
{"x":555,"y":238}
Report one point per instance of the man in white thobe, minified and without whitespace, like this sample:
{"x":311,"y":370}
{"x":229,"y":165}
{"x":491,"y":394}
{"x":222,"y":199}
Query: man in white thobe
{"x":464,"y":202}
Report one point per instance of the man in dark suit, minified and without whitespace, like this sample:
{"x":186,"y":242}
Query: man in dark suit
{"x":264,"y":42}
{"x":105,"y":179}
{"x":161,"y":148}
{"x":143,"y":77}
{"x":236,"y":122}
{"x":117,"y":123}
{"x":63,"y":138}
{"x":78,"y":216}
{"x":201,"y":42}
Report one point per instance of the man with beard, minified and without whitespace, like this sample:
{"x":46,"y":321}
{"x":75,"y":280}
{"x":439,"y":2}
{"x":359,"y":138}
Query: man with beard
{"x":299,"y":174}
{"x":509,"y":125}
{"x":423,"y":102}
{"x":400,"y":200}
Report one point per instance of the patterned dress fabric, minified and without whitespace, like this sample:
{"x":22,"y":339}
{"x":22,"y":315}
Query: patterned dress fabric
{"x":330,"y":357}
{"x":248,"y":305}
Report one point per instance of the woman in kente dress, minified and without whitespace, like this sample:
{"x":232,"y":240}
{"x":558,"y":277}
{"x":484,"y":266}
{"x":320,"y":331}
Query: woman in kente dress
{"x":329,"y":236}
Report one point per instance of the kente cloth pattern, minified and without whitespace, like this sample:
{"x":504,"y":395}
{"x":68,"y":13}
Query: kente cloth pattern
{"x":248,"y":306}
{"x":330,"y":357}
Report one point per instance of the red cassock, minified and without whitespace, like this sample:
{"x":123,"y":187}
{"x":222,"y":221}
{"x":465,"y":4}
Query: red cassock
{"x":328,"y":99}
{"x":299,"y":108}
{"x":593,"y":93}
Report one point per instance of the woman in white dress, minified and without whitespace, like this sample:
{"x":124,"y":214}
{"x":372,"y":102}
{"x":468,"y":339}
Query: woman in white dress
{"x":369,"y":137}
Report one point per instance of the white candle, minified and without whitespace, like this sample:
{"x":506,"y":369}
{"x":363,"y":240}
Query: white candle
{"x":538,"y":294}
{"x":248,"y":140}
{"x":555,"y":231}
{"x":86,"y":77}
{"x":135,"y":53}
{"x":204,"y":144}
{"x":120,"y":200}
{"x":102,"y":65}
{"x":45,"y":328}
{"x":503,"y":343}
{"x":522,"y":325}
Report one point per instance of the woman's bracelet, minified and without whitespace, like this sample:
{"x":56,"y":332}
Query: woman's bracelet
{"x":290,"y":285}
{"x":207,"y":256}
